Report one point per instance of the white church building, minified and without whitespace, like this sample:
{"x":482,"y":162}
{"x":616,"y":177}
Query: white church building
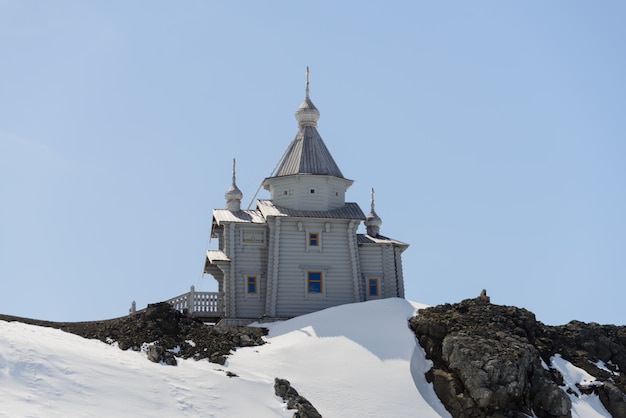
{"x":299,"y":251}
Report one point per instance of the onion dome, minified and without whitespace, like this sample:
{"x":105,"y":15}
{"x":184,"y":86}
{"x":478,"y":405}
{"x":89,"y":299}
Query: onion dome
{"x":307,"y":114}
{"x":372,"y":220}
{"x":233,"y":195}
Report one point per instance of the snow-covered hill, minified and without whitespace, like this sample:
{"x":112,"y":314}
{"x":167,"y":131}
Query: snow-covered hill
{"x":358,"y":360}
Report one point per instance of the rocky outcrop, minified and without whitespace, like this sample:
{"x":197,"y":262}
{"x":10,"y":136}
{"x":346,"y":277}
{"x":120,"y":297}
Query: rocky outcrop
{"x":488,"y":360}
{"x":167,"y":331}
{"x":303,"y":407}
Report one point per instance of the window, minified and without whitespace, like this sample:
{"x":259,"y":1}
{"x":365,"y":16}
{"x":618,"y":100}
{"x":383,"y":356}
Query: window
{"x":315,"y":282}
{"x":313,"y":237}
{"x":313,"y":276}
{"x":251,"y":281}
{"x":251,"y":284}
{"x":372,"y":287}
{"x":312,"y":191}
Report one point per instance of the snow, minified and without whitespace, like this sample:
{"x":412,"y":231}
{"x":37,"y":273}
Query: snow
{"x":358,"y":360}
{"x":583,"y":406}
{"x":602,"y":365}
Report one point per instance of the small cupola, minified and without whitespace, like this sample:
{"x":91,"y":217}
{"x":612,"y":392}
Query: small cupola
{"x":372,"y":220}
{"x":307,"y":114}
{"x":233,"y":195}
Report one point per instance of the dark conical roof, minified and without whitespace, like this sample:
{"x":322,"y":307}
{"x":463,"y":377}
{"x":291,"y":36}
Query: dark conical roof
{"x":307,"y":153}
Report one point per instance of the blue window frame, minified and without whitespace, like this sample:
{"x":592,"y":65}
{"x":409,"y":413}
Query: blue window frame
{"x":315,"y":282}
{"x":251,"y":284}
{"x":372,"y":285}
{"x":314,"y":239}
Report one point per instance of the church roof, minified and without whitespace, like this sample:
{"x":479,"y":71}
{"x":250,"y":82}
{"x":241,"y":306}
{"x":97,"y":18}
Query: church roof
{"x":216,"y":255}
{"x":307,"y":153}
{"x":350,"y":210}
{"x":378,"y":239}
{"x":245,"y":216}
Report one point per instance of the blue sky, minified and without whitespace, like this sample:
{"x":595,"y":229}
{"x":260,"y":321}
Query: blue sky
{"x":493,"y":133}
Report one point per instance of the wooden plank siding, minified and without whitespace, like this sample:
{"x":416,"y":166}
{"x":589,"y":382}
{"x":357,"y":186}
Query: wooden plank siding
{"x":251,"y":260}
{"x":399,"y":272}
{"x":389,"y":272}
{"x":371,"y":257}
{"x":295,"y":260}
{"x":281,"y":262}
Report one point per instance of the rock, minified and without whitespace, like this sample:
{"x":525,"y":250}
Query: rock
{"x":163,"y":326}
{"x":487,"y":360}
{"x":613,"y":399}
{"x":158,"y":354}
{"x":449,"y":389}
{"x":246,"y":341}
{"x":283,"y":389}
{"x":155,"y":353}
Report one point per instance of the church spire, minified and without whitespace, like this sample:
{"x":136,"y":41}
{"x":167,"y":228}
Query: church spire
{"x":307,"y":114}
{"x":372,"y":220}
{"x":307,"y":153}
{"x":233,"y":195}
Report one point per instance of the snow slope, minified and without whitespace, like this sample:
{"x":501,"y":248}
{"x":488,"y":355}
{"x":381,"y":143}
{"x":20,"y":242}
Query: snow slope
{"x":358,"y":360}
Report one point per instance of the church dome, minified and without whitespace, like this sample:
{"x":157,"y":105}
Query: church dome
{"x":307,"y":114}
{"x":233,"y":195}
{"x":372,"y":220}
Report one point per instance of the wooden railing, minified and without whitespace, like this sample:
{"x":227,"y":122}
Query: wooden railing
{"x":195,"y":304}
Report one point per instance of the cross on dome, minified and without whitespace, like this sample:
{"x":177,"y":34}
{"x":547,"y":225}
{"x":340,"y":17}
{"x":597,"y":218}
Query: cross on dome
{"x":307,"y":114}
{"x":307,"y":81}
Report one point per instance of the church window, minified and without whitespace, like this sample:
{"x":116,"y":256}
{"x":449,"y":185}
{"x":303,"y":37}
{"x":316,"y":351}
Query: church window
{"x":315,"y":282}
{"x":313,"y":238}
{"x":252,"y":286}
{"x":314,"y":277}
{"x":372,"y":287}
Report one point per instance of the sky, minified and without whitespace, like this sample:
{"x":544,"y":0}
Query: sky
{"x":492,"y":132}
{"x":334,"y":358}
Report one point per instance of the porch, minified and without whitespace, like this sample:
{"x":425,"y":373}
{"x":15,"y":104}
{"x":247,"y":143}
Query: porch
{"x":205,"y":306}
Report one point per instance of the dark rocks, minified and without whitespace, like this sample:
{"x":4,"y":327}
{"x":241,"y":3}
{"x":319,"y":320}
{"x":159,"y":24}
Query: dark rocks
{"x":283,"y":388}
{"x":168,"y":331}
{"x":158,"y":354}
{"x":613,"y":399}
{"x":487,"y":360}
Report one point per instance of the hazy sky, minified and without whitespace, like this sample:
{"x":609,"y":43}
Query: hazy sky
{"x":493,"y":133}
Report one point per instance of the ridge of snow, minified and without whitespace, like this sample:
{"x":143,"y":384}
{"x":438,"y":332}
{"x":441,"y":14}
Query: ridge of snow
{"x":352,"y":360}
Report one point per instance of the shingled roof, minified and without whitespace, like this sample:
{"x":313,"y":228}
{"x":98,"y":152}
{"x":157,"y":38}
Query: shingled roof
{"x":307,"y":154}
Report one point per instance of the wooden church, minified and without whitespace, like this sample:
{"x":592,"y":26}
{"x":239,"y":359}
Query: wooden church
{"x":299,"y":251}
